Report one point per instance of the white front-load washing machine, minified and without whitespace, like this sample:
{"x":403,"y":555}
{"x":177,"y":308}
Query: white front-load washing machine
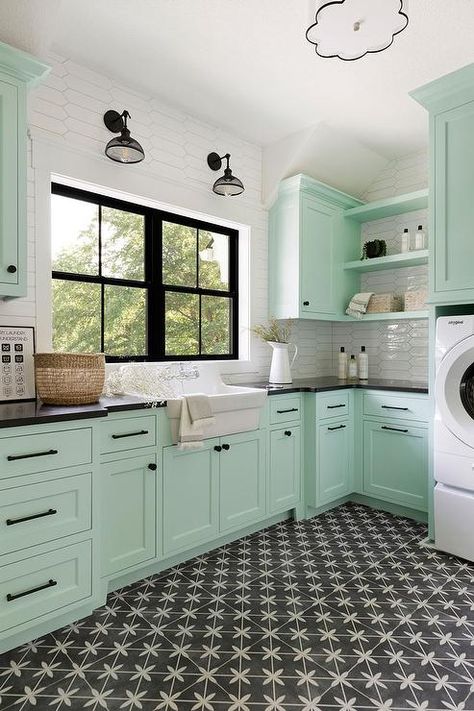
{"x":454,"y":436}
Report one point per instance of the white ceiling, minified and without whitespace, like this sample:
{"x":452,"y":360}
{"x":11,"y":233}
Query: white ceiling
{"x":246,"y":65}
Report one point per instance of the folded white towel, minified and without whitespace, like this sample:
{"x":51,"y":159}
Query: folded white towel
{"x":195,"y":417}
{"x":358,"y":304}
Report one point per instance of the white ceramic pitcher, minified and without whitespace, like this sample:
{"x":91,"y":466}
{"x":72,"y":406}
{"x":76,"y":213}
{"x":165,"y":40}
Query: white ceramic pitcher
{"x":280,"y":371}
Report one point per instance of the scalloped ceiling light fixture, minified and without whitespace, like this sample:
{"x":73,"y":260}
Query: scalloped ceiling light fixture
{"x":350,"y":29}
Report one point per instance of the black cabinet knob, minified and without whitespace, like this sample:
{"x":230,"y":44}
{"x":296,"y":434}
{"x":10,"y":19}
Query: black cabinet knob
{"x":288,"y":433}
{"x":217,"y":448}
{"x":305,"y":303}
{"x":152,"y":467}
{"x":11,"y":269}
{"x":226,"y":447}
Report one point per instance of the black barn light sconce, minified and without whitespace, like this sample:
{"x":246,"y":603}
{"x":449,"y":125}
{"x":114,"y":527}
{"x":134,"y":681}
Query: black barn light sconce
{"x":123,"y":148}
{"x":227,"y":184}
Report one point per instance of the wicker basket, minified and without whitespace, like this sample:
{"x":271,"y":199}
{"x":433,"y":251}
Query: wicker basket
{"x":69,"y":378}
{"x":384,"y":303}
{"x":416,"y":300}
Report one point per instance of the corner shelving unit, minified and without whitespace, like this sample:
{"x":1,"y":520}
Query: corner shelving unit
{"x":379,"y":210}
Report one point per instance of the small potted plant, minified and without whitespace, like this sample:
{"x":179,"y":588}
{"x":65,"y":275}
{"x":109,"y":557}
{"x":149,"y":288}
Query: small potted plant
{"x":277,"y":334}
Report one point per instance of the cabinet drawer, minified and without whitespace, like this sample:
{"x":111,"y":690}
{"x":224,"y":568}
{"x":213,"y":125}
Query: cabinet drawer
{"x":44,"y":452}
{"x":398,"y":407}
{"x":287,"y":410}
{"x":30,"y":515}
{"x":335,"y":405}
{"x":40,"y":585}
{"x":129,"y":433}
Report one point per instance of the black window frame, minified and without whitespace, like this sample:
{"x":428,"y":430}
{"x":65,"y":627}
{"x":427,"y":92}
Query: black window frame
{"x":153,"y":281}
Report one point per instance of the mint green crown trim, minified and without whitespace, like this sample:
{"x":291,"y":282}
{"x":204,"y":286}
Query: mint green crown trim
{"x":21,"y":65}
{"x":306,"y":184}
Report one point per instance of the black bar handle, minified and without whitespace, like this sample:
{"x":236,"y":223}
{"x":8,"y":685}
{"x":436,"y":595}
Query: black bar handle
{"x":282,"y":412}
{"x":394,"y":429}
{"x":129,"y":434}
{"x":334,"y":407}
{"x":13,"y":521}
{"x":50,"y":584}
{"x":217,"y":448}
{"x":14,"y":457}
{"x":226,"y":447}
{"x":392,"y":407}
{"x":340,"y":427}
{"x":288,"y":433}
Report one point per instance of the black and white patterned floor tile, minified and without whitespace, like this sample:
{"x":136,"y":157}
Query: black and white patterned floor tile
{"x":343,"y":612}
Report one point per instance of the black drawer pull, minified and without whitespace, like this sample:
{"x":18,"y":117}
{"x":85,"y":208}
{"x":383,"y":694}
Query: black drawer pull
{"x":11,"y":269}
{"x":13,"y":521}
{"x":152,"y":467}
{"x":217,"y":448}
{"x":392,"y":407}
{"x":50,"y":584}
{"x":130,"y":434}
{"x":288,"y":433}
{"x":226,"y":447}
{"x":305,"y":303}
{"x":394,"y":429}
{"x":283,"y":412}
{"x":339,"y":427}
{"x":334,"y":407}
{"x":14,"y":457}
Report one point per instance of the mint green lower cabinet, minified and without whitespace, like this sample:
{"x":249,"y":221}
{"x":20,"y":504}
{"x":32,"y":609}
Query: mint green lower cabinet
{"x":190,"y":497}
{"x":395,"y":463}
{"x":285,"y":467}
{"x":334,"y":461}
{"x":241,"y":479}
{"x":128,"y":513}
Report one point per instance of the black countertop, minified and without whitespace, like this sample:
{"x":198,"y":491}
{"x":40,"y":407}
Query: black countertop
{"x":18,"y":414}
{"x":317,"y":385}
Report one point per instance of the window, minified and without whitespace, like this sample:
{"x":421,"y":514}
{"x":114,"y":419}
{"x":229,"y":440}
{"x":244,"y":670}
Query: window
{"x":141,"y":284}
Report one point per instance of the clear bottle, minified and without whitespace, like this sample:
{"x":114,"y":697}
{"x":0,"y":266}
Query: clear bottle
{"x":353,"y":368}
{"x":420,"y":238}
{"x":363,"y":364}
{"x":405,"y":240}
{"x":342,"y":364}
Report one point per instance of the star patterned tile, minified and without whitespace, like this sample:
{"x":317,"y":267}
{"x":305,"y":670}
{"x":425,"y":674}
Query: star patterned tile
{"x":347,"y":611}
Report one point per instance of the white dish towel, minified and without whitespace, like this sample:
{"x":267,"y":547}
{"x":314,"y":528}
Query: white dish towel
{"x":196,"y":417}
{"x":358,"y":304}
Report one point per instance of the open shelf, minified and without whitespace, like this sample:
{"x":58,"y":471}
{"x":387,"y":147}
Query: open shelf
{"x":393,"y":261}
{"x":389,"y":207}
{"x":389,"y":316}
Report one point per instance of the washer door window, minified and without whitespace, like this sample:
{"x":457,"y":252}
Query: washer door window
{"x":455,"y":390}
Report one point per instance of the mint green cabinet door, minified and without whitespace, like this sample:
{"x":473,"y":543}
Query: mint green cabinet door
{"x":241,"y":479}
{"x":285,"y":468}
{"x":128,"y":513}
{"x":453,"y":203}
{"x":190,"y":480}
{"x":395,"y":463}
{"x":9,"y":196}
{"x":316,"y":258}
{"x":334,"y":458}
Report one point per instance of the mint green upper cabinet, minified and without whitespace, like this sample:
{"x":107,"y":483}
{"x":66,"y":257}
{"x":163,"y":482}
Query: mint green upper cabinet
{"x":395,"y":463}
{"x":17,"y":69}
{"x":285,"y":467}
{"x":190,"y":491}
{"x":128,"y":513}
{"x":334,"y":461}
{"x":241,"y":479}
{"x":450,"y":101}
{"x":309,"y":241}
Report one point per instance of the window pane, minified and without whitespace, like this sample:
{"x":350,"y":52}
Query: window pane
{"x":215,"y":325}
{"x":179,"y":255}
{"x":181,"y":324}
{"x":213,"y":261}
{"x":76,"y":316}
{"x":123,"y":244}
{"x":124,"y":321}
{"x":74,"y":235}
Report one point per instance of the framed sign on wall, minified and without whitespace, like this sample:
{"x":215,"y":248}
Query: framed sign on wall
{"x":17,"y":369}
